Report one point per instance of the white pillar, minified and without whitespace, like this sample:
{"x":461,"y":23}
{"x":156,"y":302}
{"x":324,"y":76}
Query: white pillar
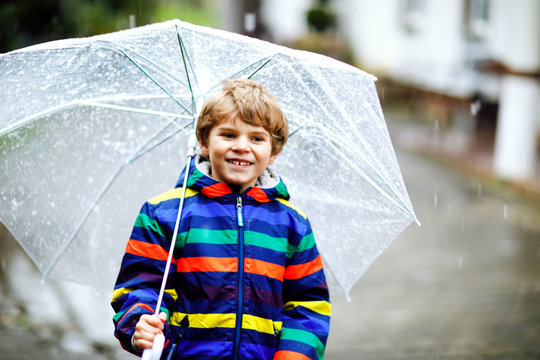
{"x":515,"y":141}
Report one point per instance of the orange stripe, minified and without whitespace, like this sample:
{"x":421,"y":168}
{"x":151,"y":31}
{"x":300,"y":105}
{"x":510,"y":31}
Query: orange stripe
{"x":207,"y":264}
{"x":216,"y":190}
{"x":299,"y":271}
{"x":153,"y":251}
{"x":260,"y":267}
{"x":258,"y":194}
{"x":289,"y":355}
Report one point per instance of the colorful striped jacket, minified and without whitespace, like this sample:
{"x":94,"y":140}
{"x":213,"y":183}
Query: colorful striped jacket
{"x":247,"y":281}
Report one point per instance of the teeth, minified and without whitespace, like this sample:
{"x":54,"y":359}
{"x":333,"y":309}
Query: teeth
{"x":241,"y":163}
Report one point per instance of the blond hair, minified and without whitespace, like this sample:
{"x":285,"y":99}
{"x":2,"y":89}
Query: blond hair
{"x":248,"y":101}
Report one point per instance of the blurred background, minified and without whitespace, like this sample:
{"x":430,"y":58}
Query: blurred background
{"x":459,"y":82}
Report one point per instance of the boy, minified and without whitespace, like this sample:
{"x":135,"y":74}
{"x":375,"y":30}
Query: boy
{"x":248,"y":281}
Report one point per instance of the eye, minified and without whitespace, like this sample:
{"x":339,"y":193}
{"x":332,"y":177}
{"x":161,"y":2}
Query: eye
{"x":228,"y":135}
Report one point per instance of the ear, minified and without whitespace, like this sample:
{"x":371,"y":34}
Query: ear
{"x":272,"y":158}
{"x":204,"y":149}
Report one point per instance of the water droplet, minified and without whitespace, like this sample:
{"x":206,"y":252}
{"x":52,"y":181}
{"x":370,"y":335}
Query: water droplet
{"x":460,"y":262}
{"x":435,"y":199}
{"x":479,"y":190}
{"x":505,"y":211}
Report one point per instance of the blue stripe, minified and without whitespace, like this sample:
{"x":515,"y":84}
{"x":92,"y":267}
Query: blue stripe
{"x":302,"y":257}
{"x":213,"y":250}
{"x":265,"y":254}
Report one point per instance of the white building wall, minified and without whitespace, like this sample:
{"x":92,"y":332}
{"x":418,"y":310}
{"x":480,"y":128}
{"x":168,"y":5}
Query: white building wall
{"x":425,"y":48}
{"x":514,"y":37}
{"x":371,"y":28}
{"x":285,"y":18}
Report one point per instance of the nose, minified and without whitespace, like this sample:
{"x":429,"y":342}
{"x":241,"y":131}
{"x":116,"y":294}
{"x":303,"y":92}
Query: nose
{"x":241,"y":144}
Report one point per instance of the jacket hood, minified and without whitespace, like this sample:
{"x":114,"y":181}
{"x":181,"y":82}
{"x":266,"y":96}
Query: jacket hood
{"x":269,"y":185}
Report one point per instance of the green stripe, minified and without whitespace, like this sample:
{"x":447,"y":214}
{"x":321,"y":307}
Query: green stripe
{"x":195,"y":175}
{"x":118,"y":316}
{"x":282,"y":190}
{"x":145,"y":222}
{"x":305,"y":337}
{"x":306,"y":243}
{"x":265,"y":241}
{"x":206,"y":236}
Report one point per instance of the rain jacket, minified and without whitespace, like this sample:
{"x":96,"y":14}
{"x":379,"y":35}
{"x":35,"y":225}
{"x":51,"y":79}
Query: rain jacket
{"x":246,"y":282}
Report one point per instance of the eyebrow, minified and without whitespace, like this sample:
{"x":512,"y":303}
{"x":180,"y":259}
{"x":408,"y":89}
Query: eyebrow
{"x":234,"y":128}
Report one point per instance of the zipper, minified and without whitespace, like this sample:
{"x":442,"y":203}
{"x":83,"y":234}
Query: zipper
{"x":239,"y":308}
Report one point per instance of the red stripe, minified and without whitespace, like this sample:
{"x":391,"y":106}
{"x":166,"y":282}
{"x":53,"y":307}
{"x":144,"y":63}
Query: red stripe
{"x":205,"y":263}
{"x":258,"y":194}
{"x":144,"y":249}
{"x":299,"y":271}
{"x":260,"y":267}
{"x":216,"y":190}
{"x":143,"y":305}
{"x":289,"y":355}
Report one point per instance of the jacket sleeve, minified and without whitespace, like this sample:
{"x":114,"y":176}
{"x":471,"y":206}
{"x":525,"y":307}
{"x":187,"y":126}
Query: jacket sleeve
{"x":306,"y":309}
{"x":139,"y":280}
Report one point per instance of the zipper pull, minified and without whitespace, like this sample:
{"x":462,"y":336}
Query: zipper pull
{"x":239,"y":211}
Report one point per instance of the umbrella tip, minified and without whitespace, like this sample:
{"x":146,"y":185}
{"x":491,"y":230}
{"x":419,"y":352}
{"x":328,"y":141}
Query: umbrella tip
{"x":418,"y":222}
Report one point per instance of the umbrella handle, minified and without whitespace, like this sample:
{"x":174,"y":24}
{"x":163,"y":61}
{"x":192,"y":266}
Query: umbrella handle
{"x":157,"y":348}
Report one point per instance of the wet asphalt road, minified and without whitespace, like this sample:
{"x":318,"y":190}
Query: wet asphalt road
{"x":464,"y":285}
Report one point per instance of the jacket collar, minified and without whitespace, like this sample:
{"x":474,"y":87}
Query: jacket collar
{"x":269,"y":185}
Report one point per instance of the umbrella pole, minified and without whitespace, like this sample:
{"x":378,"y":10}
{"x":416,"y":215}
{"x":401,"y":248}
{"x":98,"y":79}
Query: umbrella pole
{"x":157,"y":349}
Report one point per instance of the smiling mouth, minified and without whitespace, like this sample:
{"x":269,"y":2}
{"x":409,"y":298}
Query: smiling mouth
{"x":239,"y":163}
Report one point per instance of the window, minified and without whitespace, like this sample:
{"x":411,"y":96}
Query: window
{"x":476,"y":19}
{"x":413,"y":15}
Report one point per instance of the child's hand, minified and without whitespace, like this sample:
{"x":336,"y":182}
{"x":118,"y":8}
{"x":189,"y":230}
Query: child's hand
{"x":145,"y":330}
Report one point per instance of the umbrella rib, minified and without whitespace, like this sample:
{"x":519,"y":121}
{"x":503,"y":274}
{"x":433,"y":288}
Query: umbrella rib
{"x":150,"y":63}
{"x":236,"y":74}
{"x":141,"y":153}
{"x":182,"y":50}
{"x":102,"y":194}
{"x":71,"y":104}
{"x":123,"y":50}
{"x":399,"y":201}
{"x":31,"y":118}
{"x":133,"y":109}
{"x":260,"y":67}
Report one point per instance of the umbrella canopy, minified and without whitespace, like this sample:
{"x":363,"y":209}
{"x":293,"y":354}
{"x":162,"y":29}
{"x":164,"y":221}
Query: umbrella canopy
{"x":91,"y":128}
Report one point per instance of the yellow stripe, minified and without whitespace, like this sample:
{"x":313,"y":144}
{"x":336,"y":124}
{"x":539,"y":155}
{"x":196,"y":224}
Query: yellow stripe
{"x":209,"y":321}
{"x":172,"y":194}
{"x":286,"y":203}
{"x":118,"y":293}
{"x":260,"y":324}
{"x":173,"y":293}
{"x":320,"y":307}
{"x":205,"y":320}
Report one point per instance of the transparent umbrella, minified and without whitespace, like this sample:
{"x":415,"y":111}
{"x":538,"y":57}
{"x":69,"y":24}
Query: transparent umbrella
{"x":91,"y":128}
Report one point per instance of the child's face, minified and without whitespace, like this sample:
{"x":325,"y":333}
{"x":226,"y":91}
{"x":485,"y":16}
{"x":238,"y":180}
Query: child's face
{"x":238,"y":152}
